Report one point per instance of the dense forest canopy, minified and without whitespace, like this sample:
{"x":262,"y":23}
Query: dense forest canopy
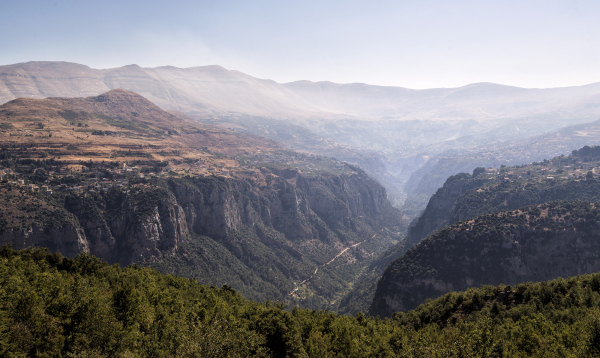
{"x":52,"y":306}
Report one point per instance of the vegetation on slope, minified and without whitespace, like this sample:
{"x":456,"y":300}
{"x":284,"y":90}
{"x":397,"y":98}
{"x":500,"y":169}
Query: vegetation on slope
{"x":465,"y":196}
{"x":53,"y":306}
{"x":541,"y":242}
{"x":558,"y":318}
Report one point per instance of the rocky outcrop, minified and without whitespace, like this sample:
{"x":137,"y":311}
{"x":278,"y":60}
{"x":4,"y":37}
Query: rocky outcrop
{"x":128,"y":226}
{"x":464,"y":197}
{"x":68,"y":239}
{"x":439,"y":210}
{"x":557,"y":239}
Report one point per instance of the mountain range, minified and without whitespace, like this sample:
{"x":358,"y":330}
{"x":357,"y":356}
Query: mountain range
{"x":277,"y":191}
{"x":391,"y":132}
{"x":215,"y":90}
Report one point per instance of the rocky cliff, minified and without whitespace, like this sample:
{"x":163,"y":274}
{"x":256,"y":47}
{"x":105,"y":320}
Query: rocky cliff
{"x":542,"y":242}
{"x":439,"y":210}
{"x":465,"y":196}
{"x":273,"y":235}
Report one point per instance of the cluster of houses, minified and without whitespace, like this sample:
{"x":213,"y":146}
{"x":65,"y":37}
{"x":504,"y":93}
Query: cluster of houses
{"x":547,"y":174}
{"x":32,"y":187}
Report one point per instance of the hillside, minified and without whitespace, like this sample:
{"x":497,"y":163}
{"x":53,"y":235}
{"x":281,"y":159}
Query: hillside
{"x":516,"y":150}
{"x":533,"y":243}
{"x":117,"y":177}
{"x":54,"y":306}
{"x":116,"y":124}
{"x":465,"y":196}
{"x":390,"y":132}
{"x":524,"y":320}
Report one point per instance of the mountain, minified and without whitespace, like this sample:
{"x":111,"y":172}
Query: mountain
{"x":431,"y":175}
{"x":478,"y":101}
{"x":466,"y":196}
{"x":207,"y":90}
{"x":115,"y":176}
{"x":533,"y":243}
{"x":391,"y":132}
{"x":215,"y":90}
{"x":110,"y":123}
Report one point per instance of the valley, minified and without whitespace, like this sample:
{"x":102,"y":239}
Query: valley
{"x":331,"y":200}
{"x":408,"y":140}
{"x":115,"y":176}
{"x":299,"y":179}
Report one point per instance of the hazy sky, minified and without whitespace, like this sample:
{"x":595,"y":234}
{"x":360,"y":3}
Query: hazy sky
{"x":415,"y":44}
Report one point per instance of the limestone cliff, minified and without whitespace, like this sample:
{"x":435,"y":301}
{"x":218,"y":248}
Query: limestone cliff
{"x":274,"y":234}
{"x":439,"y":210}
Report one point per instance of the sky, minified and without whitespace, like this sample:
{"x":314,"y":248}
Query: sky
{"x":413,"y":44}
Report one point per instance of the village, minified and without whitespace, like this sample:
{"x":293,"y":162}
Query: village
{"x":80,"y":176}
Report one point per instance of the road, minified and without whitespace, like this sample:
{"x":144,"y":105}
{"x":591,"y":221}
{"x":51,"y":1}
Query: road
{"x":334,"y":258}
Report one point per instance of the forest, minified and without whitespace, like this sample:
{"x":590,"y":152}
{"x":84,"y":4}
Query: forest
{"x":52,"y":306}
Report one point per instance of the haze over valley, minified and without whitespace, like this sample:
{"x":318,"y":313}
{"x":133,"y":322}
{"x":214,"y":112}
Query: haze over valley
{"x":393,"y":133}
{"x":300,"y":179}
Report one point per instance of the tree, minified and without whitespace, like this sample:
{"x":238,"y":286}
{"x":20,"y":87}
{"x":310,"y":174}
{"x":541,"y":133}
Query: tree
{"x":478,"y":171}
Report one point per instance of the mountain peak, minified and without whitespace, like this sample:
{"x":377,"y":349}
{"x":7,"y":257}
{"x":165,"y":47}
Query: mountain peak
{"x":124,"y":99}
{"x":119,"y":94}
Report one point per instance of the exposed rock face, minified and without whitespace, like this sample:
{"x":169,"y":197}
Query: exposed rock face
{"x":127,"y":228}
{"x":460,"y":200}
{"x":439,"y":210}
{"x":147,"y":224}
{"x":543,"y":242}
{"x":69,"y":239}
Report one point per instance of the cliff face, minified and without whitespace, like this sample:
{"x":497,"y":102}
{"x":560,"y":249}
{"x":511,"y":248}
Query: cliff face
{"x":304,"y":221}
{"x":128,"y":227}
{"x":542,"y":242}
{"x":69,"y":239}
{"x":464,"y":197}
{"x":439,"y":210}
{"x":292,"y":204}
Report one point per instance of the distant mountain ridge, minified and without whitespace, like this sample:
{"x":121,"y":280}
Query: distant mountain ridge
{"x":205,"y":90}
{"x":216,"y":90}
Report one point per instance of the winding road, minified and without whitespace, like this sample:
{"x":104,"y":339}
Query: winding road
{"x":333,"y":259}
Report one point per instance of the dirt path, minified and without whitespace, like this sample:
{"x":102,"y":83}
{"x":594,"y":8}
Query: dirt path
{"x":346,"y":249}
{"x":311,"y":276}
{"x":333,"y":259}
